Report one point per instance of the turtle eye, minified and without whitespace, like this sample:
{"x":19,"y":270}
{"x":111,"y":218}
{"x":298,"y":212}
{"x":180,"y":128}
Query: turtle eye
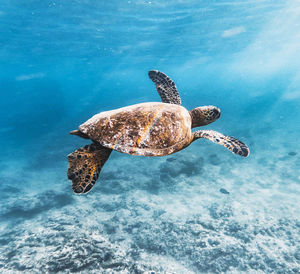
{"x":217,"y":113}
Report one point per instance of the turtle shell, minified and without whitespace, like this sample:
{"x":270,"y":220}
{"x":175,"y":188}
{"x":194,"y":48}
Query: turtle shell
{"x":149,"y":129}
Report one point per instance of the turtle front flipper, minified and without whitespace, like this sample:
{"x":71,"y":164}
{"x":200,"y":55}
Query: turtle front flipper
{"x":85,"y":165}
{"x":231,"y":143}
{"x":165,"y":87}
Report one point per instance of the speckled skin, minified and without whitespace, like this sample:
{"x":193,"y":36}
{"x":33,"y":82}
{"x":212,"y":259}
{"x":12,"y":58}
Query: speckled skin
{"x":148,"y":129}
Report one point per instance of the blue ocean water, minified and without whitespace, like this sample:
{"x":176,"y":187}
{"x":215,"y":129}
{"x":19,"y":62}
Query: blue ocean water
{"x":201,"y":210}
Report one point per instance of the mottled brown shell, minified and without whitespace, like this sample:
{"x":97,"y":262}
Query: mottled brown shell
{"x":149,"y":129}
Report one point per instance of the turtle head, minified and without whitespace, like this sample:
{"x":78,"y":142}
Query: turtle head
{"x":202,"y":116}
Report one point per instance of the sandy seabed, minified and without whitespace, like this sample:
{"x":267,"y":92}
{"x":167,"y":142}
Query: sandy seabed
{"x":200,"y":210}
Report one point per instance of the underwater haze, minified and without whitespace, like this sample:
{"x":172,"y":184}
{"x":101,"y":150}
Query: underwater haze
{"x":201,"y":210}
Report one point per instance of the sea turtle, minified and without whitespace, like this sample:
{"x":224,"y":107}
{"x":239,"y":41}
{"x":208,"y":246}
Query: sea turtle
{"x":147,"y":129}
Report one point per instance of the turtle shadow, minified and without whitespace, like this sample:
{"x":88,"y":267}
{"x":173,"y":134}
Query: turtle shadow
{"x":172,"y":171}
{"x":164,"y":178}
{"x":174,"y":167}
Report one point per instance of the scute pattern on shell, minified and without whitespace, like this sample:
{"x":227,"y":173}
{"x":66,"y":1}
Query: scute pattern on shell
{"x":148,"y":129}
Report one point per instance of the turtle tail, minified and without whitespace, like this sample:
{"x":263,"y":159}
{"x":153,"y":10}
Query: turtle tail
{"x":79,"y":133}
{"x":85,"y":165}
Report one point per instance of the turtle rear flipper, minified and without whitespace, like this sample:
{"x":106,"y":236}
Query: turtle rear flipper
{"x":85,"y":165}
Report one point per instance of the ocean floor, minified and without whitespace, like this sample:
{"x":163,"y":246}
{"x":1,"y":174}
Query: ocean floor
{"x":197,"y":211}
